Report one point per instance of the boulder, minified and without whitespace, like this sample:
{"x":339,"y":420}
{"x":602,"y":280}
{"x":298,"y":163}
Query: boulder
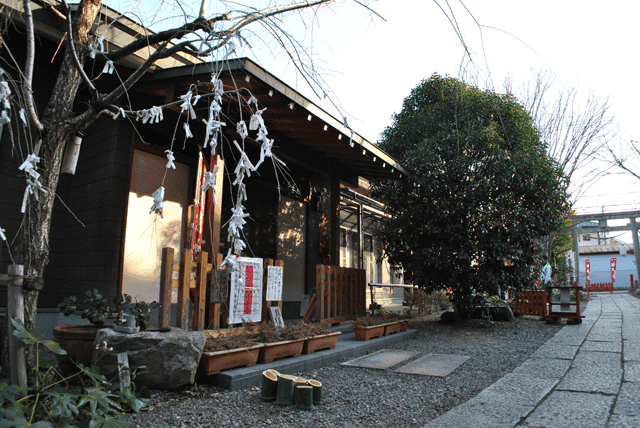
{"x":495,"y":312}
{"x":171,"y":357}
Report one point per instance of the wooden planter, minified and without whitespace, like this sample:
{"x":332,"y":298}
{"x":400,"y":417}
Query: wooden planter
{"x":404,"y":324}
{"x":366,"y":333}
{"x":324,"y":341}
{"x":277,"y":350}
{"x":213,"y":362}
{"x":392,"y":327}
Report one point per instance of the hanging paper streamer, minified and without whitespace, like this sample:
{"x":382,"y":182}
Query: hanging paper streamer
{"x":158,"y":200}
{"x":210,"y":182}
{"x":187,"y":130}
{"x":170,"y":158}
{"x":108,"y":67}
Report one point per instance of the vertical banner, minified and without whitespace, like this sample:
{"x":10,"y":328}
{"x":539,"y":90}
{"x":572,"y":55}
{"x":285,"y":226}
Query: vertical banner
{"x":245,"y":299}
{"x":199,"y":203}
{"x":613,"y":270}
{"x":274,"y":283}
{"x":587,"y":269}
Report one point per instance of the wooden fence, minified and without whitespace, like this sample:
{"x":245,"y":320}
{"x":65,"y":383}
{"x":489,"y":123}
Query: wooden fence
{"x":599,"y":287}
{"x":185,"y":285}
{"x":531,"y":303}
{"x":340,"y":293}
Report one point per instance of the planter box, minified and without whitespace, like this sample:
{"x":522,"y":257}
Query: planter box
{"x":213,"y":362}
{"x":404,"y":324}
{"x":324,"y":341}
{"x":366,"y":333}
{"x":392,"y":327}
{"x":277,"y":350}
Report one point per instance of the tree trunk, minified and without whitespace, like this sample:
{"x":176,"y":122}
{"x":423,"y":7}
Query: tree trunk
{"x":32,"y":246}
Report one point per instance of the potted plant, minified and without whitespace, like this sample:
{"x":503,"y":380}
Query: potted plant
{"x":279,"y":342}
{"x":78,"y":339}
{"x":370,"y":326}
{"x":224,"y":351}
{"x":319,"y":336}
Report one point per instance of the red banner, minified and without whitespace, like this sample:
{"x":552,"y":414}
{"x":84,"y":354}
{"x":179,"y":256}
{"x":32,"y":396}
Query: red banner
{"x":587,"y":265}
{"x":613,"y":269}
{"x":198,"y":211}
{"x":248,"y":290}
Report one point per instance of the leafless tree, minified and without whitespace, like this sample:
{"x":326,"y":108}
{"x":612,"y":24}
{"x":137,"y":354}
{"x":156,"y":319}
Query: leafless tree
{"x":52,"y":128}
{"x":577,"y":129}
{"x":626,"y":158}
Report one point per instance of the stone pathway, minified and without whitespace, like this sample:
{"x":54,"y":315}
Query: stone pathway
{"x":587,"y":375}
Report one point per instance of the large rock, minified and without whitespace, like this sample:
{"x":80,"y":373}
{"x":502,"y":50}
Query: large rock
{"x":495,"y":312}
{"x":171,"y":358}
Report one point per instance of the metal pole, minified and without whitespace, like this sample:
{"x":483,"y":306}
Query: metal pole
{"x":576,"y":246}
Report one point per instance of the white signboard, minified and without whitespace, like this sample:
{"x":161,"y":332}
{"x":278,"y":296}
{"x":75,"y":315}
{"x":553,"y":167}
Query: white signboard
{"x":274,"y":283}
{"x":245,"y":301}
{"x":276,"y":316}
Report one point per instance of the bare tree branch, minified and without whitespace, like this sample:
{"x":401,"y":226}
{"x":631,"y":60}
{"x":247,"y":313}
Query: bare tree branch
{"x":28,"y":68}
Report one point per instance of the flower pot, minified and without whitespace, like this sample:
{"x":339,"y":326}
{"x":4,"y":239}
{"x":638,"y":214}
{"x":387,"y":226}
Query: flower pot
{"x":392,"y":327}
{"x":366,"y":333}
{"x":77,"y":340}
{"x":213,"y":362}
{"x":277,"y":350}
{"x":323,"y":341}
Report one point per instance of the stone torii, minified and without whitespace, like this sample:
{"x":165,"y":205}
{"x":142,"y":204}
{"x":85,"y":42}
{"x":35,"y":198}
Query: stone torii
{"x":602,"y":219}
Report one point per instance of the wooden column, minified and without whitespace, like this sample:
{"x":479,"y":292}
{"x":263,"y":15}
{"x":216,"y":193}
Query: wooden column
{"x":200,"y":300}
{"x":335,"y":220}
{"x":166,"y":286}
{"x":15,"y":309}
{"x":182,"y":316}
{"x":215,"y":301}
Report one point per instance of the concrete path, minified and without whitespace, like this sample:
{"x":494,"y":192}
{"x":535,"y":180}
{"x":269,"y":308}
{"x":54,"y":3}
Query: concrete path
{"x":587,"y":375}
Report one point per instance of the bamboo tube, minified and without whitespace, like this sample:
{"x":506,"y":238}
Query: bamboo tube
{"x":284,"y":396}
{"x":304,"y":397}
{"x":317,"y":391}
{"x":269,"y":386}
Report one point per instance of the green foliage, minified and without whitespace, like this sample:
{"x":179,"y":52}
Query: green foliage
{"x":51,"y":400}
{"x":98,"y":311}
{"x":482,"y":190}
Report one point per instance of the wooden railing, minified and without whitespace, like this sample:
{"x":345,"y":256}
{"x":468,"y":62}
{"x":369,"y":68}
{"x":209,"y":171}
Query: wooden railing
{"x":531,"y":303}
{"x":599,"y":287}
{"x":340,"y":293}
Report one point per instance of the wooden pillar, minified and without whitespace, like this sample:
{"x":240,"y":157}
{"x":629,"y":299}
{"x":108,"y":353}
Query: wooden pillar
{"x":200,"y":300}
{"x":182,"y":316}
{"x":166,"y":286}
{"x":216,"y":299}
{"x":335,"y":220}
{"x":15,"y":309}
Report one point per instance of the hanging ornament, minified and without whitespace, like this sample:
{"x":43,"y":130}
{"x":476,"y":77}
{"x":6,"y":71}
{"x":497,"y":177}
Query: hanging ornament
{"x":170,"y":158}
{"x":210,"y":182}
{"x":108,"y":67}
{"x":158,"y":200}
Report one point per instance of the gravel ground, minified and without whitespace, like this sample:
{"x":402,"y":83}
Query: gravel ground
{"x":357,"y":397}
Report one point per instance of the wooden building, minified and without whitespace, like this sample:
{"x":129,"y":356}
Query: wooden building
{"x":314,"y":211}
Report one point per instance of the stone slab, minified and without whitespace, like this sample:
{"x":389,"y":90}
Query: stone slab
{"x":545,"y":368}
{"x":381,"y":360}
{"x":564,"y":409}
{"x":434,"y":365}
{"x":632,"y":371}
{"x":555,"y":351}
{"x":478,"y":413}
{"x":627,"y":402}
{"x":591,"y":345}
{"x":592,"y":379}
{"x":518,"y":390}
{"x":599,"y":360}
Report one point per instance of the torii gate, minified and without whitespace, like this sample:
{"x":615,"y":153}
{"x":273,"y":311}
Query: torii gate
{"x":602,"y":227}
